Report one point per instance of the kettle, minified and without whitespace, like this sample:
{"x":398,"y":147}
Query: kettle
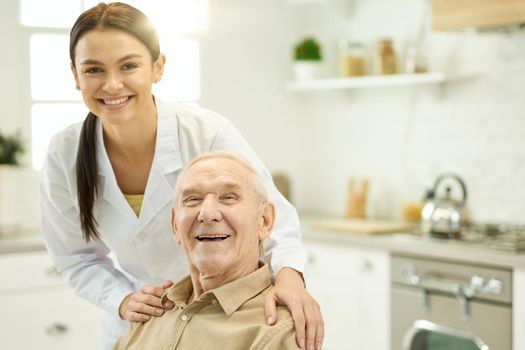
{"x":442,"y":215}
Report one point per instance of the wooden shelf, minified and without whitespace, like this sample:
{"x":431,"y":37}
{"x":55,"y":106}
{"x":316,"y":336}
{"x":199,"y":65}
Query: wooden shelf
{"x":371,"y":81}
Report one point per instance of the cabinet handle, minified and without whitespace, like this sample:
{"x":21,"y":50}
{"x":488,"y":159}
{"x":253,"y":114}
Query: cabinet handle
{"x":56,"y":329}
{"x":366,"y":265}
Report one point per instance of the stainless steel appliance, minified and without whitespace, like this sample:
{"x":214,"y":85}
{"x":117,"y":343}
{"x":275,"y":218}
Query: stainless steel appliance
{"x":447,"y":305}
{"x":442,"y":215}
{"x":506,"y":237}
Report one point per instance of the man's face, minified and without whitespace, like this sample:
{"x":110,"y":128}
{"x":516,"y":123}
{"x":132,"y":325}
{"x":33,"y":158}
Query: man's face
{"x":219,"y":219}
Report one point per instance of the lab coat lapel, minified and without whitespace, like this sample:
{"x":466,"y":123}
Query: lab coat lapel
{"x":161,"y":180}
{"x":166,"y":163}
{"x":108,"y":185}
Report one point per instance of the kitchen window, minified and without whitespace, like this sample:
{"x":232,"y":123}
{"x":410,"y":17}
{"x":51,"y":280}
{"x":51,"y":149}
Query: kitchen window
{"x":53,"y":101}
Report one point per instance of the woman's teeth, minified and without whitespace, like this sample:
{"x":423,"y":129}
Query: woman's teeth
{"x":116,"y":101}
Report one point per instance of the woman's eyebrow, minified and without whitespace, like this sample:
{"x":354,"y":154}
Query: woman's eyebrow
{"x":120,"y":60}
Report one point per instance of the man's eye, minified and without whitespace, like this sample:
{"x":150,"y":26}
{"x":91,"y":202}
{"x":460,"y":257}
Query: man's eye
{"x":190,"y":201}
{"x":229,"y":198}
{"x":129,"y":66}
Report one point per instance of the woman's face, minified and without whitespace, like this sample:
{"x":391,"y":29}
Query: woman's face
{"x":114,"y":71}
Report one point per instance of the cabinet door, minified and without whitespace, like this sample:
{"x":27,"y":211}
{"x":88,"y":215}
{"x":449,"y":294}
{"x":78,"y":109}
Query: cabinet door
{"x":52,"y":320}
{"x":352,"y":287}
{"x":23,"y":271}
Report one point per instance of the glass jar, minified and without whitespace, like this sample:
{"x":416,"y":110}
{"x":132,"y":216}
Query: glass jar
{"x":351,"y":60}
{"x":385,"y":58}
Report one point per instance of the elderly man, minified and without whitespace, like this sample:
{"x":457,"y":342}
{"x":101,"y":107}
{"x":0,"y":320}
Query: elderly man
{"x":220,"y":217}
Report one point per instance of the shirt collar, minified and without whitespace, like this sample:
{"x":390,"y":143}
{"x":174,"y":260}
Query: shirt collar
{"x":167,"y":152}
{"x":231,"y":296}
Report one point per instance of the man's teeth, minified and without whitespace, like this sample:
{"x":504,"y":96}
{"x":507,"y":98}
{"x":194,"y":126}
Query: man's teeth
{"x":116,"y":101}
{"x":212,"y":237}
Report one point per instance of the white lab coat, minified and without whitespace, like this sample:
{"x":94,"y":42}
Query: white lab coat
{"x":143,"y":247}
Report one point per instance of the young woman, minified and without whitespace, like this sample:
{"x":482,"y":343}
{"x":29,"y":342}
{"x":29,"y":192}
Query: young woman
{"x":107,"y":183}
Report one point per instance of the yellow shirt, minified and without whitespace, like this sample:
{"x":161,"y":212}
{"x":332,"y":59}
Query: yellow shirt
{"x":135,"y":202}
{"x":229,"y":317}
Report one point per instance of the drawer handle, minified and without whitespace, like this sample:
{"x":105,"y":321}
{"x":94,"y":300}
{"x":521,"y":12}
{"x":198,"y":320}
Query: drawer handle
{"x":56,"y":329}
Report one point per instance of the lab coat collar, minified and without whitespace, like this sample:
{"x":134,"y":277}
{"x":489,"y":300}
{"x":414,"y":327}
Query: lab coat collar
{"x":167,"y":159}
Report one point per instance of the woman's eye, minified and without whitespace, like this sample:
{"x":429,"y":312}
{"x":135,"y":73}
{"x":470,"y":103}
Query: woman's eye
{"x":129,"y":66}
{"x":93,"y":70}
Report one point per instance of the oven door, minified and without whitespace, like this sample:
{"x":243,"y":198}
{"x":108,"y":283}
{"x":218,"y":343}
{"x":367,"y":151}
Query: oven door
{"x":443,"y":319}
{"x":425,"y":335}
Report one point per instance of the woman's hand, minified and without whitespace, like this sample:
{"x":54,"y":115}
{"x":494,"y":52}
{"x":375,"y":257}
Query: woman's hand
{"x":289,"y":291}
{"x":144,"y":303}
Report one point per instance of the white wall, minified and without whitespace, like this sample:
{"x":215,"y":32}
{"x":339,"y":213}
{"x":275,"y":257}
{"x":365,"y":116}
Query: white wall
{"x":399,"y":137}
{"x":244,"y":62}
{"x":10,"y":68}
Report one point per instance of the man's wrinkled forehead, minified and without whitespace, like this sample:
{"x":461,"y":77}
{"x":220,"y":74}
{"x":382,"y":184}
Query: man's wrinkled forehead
{"x":198,"y":186}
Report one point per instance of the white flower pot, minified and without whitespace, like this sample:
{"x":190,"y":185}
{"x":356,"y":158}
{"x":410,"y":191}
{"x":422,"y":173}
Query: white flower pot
{"x":307,"y":70}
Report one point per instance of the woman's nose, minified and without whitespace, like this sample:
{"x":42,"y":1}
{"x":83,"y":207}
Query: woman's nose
{"x":209,"y":211}
{"x":113,"y":83}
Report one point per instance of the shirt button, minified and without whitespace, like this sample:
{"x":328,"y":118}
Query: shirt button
{"x":214,"y":301}
{"x":184,"y":317}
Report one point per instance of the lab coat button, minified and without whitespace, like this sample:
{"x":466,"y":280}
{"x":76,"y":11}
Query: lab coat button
{"x":184,"y":317}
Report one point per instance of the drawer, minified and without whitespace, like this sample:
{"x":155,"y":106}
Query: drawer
{"x":51,"y":320}
{"x":25,"y":271}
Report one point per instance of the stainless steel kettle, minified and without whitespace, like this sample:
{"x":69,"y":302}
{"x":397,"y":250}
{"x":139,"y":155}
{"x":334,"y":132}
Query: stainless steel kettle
{"x":442,"y":215}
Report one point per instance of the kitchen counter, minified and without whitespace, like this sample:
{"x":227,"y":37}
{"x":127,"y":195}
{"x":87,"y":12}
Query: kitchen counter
{"x":28,"y":241}
{"x":417,"y":245}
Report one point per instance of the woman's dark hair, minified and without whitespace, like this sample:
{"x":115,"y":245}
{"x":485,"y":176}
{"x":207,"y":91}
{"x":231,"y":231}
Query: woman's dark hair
{"x":130,"y":20}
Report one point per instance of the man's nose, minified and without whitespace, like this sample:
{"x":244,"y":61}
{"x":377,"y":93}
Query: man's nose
{"x":209,"y":211}
{"x":113,"y":83}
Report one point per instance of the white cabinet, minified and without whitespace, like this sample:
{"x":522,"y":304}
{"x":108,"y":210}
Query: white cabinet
{"x":518,"y":308}
{"x":39,"y":310}
{"x":352,"y":286}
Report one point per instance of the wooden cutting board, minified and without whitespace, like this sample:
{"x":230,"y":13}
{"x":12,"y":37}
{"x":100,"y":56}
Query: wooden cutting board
{"x":362,"y":226}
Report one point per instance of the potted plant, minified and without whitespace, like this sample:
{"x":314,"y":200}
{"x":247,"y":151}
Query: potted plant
{"x":11,"y":149}
{"x":307,"y":59}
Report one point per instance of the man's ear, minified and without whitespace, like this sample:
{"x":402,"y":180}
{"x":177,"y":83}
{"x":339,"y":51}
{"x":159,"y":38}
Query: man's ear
{"x":174,"y":227}
{"x":267,"y":221}
{"x":75,"y":74}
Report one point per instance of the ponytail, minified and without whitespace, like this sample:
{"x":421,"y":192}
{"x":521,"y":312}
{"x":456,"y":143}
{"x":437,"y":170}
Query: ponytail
{"x":86,"y":168}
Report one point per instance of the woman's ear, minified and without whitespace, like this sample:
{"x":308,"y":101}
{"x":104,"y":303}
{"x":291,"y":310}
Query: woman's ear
{"x":267,"y":221}
{"x":158,"y":67}
{"x":174,"y":227}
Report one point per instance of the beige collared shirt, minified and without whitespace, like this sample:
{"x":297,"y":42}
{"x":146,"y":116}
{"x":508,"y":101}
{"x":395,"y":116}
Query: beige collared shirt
{"x":229,"y":317}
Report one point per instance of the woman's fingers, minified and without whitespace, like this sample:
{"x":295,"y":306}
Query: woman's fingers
{"x":314,"y":326}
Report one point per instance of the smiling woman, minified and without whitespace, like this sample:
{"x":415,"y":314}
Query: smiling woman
{"x":50,"y":81}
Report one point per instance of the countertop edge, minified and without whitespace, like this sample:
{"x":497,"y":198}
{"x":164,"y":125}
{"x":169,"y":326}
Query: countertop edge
{"x":406,"y":244}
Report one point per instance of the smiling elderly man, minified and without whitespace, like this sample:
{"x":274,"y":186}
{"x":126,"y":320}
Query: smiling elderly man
{"x":220,"y":217}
